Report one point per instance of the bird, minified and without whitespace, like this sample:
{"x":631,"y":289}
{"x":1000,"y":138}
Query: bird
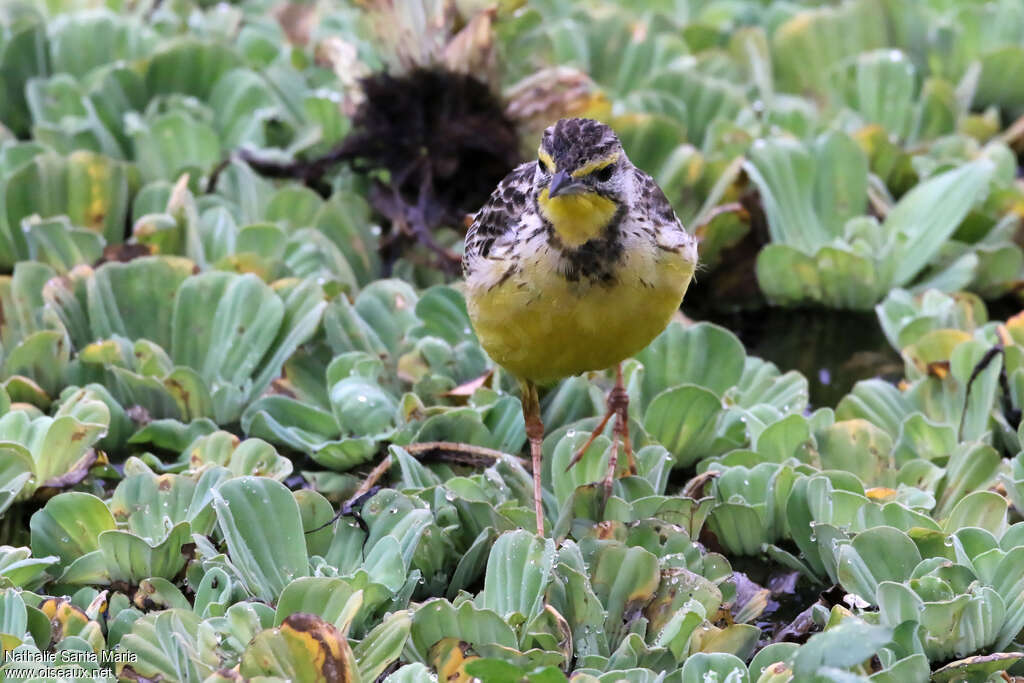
{"x":576,"y":262}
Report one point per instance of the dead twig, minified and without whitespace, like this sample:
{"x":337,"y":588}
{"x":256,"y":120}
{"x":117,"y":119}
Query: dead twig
{"x":695,"y":485}
{"x":211,"y":182}
{"x":460,"y":453}
{"x":1013,"y":415}
{"x":414,"y":221}
{"x":450,"y":451}
{"x":371,"y":480}
{"x":366,"y":489}
{"x":1013,"y":133}
{"x":410,"y":222}
{"x":310,"y":171}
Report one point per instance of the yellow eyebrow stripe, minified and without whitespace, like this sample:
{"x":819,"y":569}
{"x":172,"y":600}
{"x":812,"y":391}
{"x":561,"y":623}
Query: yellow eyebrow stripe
{"x":595,"y":166}
{"x":546,"y":159}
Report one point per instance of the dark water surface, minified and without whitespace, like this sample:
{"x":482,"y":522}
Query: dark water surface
{"x":833,"y":349}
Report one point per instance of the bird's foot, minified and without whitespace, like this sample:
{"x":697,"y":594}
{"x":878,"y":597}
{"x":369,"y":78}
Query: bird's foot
{"x":618,"y":407}
{"x":618,"y":404}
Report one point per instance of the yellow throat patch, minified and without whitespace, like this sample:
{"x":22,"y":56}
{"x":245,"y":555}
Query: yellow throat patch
{"x":577,"y":218}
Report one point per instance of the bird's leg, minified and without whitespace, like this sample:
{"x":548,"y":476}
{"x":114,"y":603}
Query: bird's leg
{"x":535,"y":433}
{"x":613,"y":462}
{"x":618,"y":400}
{"x":618,"y":407}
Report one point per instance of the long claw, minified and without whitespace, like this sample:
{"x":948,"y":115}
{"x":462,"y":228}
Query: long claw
{"x":593,"y":435}
{"x":618,"y":407}
{"x":613,"y":461}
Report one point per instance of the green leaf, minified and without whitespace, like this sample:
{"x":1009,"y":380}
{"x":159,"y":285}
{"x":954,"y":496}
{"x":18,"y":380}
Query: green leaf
{"x":244,"y":103}
{"x":856,"y":446}
{"x":328,"y":598}
{"x":876,"y":401}
{"x":788,"y":438}
{"x":223,"y":324}
{"x":93,"y":191}
{"x":363,"y":408}
{"x":919,"y":437}
{"x":443,"y":312}
{"x":188,"y":66}
{"x":69,"y":526}
{"x":13,"y":615}
{"x":771,"y":654}
{"x":383,"y":645}
{"x":24,"y":571}
{"x":926,"y":216}
{"x":345,"y":219}
{"x":237,"y":332}
{"x":834,"y":276}
{"x":737,"y":639}
{"x":131,"y":558}
{"x":25,"y":55}
{"x":517,"y":575}
{"x":810,"y":41}
{"x":967,"y":623}
{"x":133,"y":299}
{"x":848,"y":644}
{"x":999,"y":83}
{"x":739,"y":527}
{"x":411,"y":673}
{"x":981,"y":509}
{"x":971,"y":466}
{"x":268,"y":556}
{"x":702,"y":354}
{"x":57,"y":243}
{"x":85,"y":41}
{"x":882,"y":88}
{"x":164,"y":646}
{"x":840,"y":180}
{"x":784,"y":172}
{"x":876,"y":555}
{"x":623,"y":578}
{"x":437,"y":619}
{"x":250,"y":457}
{"x":592,"y":466}
{"x":702,"y":667}
{"x":150,"y":505}
{"x":683,"y":419}
{"x":172,"y":144}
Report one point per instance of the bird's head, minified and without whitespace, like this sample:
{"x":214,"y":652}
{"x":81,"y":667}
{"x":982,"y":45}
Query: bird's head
{"x":583,"y":178}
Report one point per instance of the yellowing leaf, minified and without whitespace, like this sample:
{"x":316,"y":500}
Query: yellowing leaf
{"x":304,"y":649}
{"x":449,"y":657}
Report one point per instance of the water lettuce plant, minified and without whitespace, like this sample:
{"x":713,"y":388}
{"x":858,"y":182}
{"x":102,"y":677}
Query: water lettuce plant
{"x":246,"y":430}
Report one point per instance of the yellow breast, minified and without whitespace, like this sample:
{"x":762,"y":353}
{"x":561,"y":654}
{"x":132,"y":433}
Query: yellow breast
{"x":577,"y":218}
{"x":543,"y":327}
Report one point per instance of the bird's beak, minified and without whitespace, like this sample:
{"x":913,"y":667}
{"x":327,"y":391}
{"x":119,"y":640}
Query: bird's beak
{"x":562,"y":184}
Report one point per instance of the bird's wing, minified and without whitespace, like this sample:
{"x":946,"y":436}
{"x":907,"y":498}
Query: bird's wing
{"x":496,"y":222}
{"x":670,"y":233}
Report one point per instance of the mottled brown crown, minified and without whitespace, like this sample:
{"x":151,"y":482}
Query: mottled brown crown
{"x":575,"y":142}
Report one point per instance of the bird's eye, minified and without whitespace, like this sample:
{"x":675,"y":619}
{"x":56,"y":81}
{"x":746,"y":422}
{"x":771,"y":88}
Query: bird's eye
{"x":603,"y":175}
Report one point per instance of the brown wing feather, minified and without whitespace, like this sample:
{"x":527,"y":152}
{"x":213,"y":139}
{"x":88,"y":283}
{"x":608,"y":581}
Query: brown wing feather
{"x":499,"y":215}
